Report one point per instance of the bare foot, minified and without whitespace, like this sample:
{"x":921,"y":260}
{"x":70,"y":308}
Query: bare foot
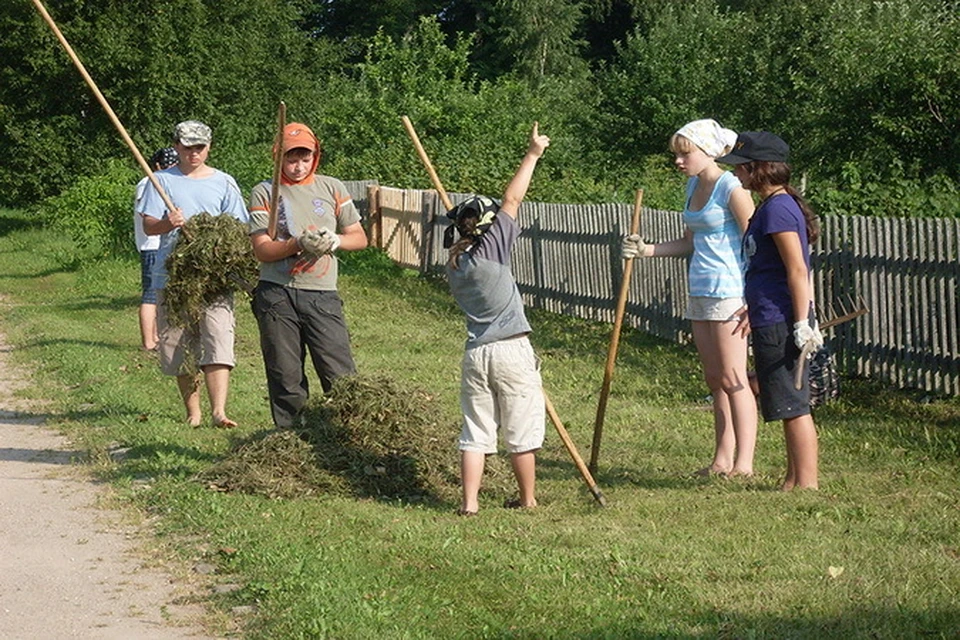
{"x":223,"y":422}
{"x":194,"y":421}
{"x":712,"y":470}
{"x":787,"y":486}
{"x":740,"y":473}
{"x":515,"y":503}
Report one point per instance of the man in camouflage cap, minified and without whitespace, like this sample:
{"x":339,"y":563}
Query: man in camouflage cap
{"x":194,"y":187}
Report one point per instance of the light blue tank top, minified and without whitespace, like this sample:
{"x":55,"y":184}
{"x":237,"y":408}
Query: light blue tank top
{"x":716,"y":268}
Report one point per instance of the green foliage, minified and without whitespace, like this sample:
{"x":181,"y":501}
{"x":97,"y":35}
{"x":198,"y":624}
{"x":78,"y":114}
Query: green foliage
{"x":233,"y":62}
{"x":848,"y":83}
{"x":896,"y":196}
{"x":96,"y":211}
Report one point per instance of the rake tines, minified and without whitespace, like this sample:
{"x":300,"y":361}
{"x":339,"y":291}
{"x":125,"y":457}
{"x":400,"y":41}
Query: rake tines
{"x":849,"y":310}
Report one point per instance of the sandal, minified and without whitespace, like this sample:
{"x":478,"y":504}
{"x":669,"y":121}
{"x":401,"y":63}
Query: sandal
{"x":465,"y":513}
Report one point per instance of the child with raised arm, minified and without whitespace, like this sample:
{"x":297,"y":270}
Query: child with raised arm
{"x":500,"y":388}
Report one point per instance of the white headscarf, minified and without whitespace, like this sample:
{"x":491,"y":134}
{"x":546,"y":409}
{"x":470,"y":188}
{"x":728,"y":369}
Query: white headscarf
{"x":709,"y":136}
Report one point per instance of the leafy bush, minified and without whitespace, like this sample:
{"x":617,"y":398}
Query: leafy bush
{"x":96,"y":212}
{"x":896,"y":196}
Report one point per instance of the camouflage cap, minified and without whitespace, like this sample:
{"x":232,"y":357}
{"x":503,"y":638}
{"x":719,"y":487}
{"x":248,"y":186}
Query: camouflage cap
{"x":192,"y":132}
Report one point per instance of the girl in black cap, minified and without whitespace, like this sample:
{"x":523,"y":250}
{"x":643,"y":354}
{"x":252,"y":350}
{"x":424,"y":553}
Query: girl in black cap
{"x":779,"y":295}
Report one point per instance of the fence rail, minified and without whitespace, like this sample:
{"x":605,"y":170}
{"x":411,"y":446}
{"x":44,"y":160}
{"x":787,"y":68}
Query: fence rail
{"x":904,"y":270}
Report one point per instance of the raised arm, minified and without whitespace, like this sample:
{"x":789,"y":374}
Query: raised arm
{"x":517,"y":188}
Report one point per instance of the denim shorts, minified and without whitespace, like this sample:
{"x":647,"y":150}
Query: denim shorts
{"x":776,"y":357}
{"x":148,"y":258}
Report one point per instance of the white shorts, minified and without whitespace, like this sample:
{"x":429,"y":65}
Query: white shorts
{"x":712,"y":309}
{"x":500,"y":387}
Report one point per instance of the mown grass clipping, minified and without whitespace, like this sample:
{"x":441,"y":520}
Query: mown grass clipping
{"x":212,"y":258}
{"x":369,"y":438}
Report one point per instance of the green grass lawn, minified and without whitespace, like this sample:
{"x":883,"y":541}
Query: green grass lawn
{"x":874,"y":554}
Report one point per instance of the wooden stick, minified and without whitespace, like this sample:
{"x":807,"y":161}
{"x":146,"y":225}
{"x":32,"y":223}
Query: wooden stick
{"x":568,"y":443}
{"x":277,"y":169}
{"x":614,"y":339}
{"x":805,"y":353}
{"x":577,"y":460}
{"x":106,"y":105}
{"x":426,"y":163}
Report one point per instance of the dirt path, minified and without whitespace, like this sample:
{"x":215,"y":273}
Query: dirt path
{"x":69,"y":569}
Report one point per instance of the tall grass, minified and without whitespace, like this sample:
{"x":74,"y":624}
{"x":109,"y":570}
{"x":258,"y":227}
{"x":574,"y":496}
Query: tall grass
{"x":874,"y":554}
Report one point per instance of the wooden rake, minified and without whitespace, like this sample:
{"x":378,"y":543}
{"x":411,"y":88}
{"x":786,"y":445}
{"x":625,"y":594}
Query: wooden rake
{"x":614,"y":339}
{"x":847,"y":313}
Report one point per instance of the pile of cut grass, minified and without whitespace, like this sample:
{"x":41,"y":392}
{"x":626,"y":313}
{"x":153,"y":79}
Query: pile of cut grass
{"x":275,"y":464}
{"x":369,"y":438}
{"x":213,"y":258}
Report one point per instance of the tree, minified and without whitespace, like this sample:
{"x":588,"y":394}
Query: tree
{"x":157,"y":62}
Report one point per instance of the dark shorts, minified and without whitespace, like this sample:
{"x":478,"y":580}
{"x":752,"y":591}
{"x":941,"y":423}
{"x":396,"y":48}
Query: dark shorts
{"x":775,"y":356}
{"x":147,"y":260}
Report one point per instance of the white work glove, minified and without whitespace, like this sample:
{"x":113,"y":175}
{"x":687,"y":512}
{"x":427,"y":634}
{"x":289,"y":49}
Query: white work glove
{"x":807,"y":333}
{"x":319,"y":243}
{"x":632,"y":247}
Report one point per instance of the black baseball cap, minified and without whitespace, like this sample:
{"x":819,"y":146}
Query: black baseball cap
{"x":757,"y":145}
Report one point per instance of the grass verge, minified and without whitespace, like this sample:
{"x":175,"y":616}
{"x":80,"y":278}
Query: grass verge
{"x":874,"y":554}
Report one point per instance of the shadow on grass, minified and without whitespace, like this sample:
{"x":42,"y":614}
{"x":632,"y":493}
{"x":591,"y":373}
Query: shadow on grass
{"x":902,"y":419}
{"x":20,"y":220}
{"x":155,"y":460}
{"x":862,"y":622}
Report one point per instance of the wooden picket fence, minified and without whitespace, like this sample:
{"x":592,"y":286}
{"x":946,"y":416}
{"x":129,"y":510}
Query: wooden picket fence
{"x":905,"y":271}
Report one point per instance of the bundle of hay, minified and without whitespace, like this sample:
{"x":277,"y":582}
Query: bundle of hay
{"x":213,"y":258}
{"x":275,"y":464}
{"x":368,"y":438}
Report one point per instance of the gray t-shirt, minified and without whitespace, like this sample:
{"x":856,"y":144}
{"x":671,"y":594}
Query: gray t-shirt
{"x":484,"y":288}
{"x":320,"y":203}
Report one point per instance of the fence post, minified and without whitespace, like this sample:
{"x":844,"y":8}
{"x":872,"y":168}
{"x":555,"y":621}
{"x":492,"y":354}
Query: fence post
{"x":373,"y":211}
{"x":428,"y":211}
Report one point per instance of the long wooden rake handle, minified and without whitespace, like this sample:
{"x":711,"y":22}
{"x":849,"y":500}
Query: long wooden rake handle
{"x":106,"y":106}
{"x":614,"y":339}
{"x":277,"y":169}
{"x":572,"y":450}
{"x":425,"y":159}
{"x":564,"y":436}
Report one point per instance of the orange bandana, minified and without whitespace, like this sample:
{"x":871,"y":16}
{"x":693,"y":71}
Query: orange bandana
{"x":299,"y":136}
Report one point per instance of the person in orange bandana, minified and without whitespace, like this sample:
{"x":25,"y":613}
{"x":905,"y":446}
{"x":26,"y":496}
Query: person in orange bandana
{"x":296,"y":303}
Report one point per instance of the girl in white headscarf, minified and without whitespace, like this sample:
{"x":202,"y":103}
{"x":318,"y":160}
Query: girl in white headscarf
{"x":715,"y":215}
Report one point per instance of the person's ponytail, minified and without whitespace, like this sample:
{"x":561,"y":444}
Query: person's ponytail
{"x":809,"y":215}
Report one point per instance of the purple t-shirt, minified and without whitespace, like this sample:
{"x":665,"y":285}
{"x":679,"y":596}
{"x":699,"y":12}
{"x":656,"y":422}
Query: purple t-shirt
{"x":765,"y":285}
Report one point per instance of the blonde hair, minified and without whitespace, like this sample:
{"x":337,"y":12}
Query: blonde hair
{"x":683,"y":144}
